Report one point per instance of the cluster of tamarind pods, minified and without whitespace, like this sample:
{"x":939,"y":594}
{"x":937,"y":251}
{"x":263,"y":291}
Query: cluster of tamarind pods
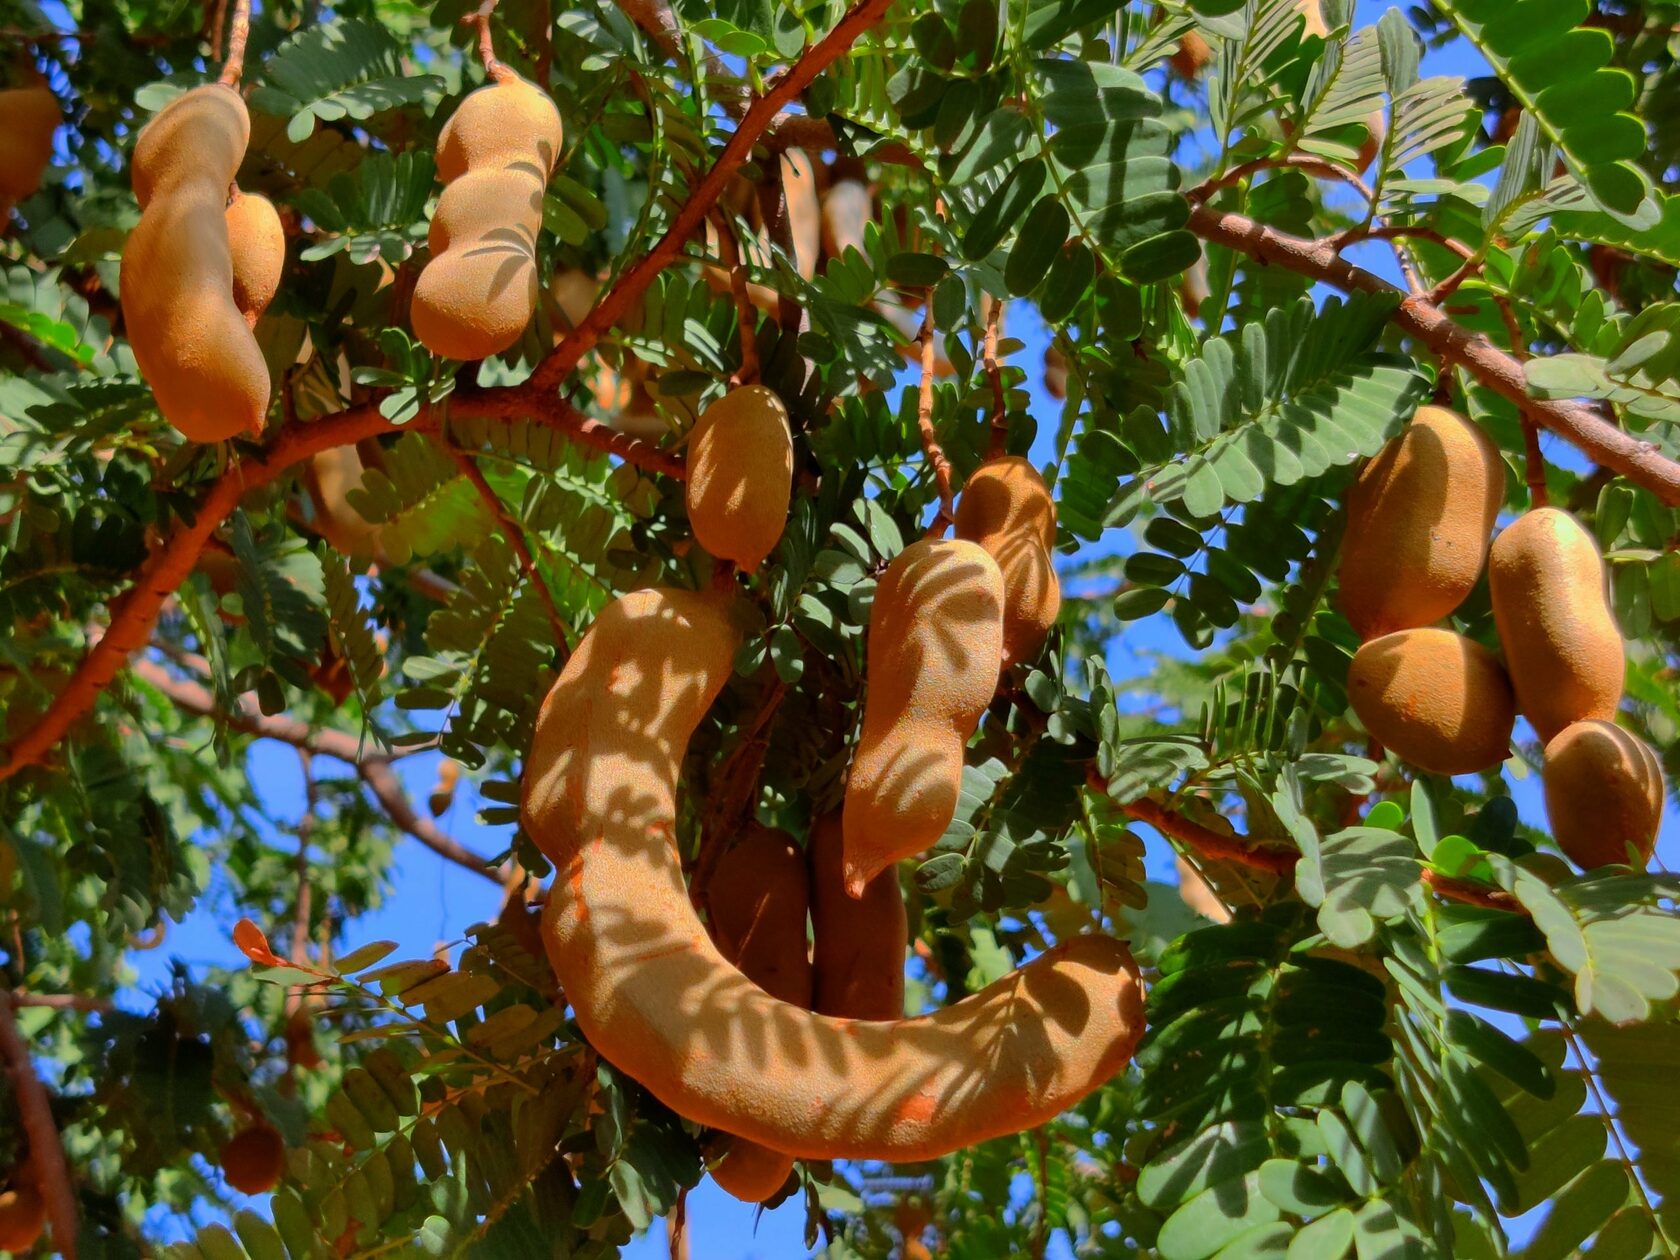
{"x":795,"y":1050}
{"x":1419,"y":518}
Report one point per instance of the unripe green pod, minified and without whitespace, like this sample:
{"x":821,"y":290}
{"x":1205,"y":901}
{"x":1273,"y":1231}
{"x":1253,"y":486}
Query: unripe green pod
{"x":740,"y":476}
{"x":495,"y":156}
{"x":935,"y":647}
{"x":191,"y":340}
{"x":1434,"y":698}
{"x":1604,"y":794}
{"x":1551,"y":605}
{"x":1419,"y":517}
{"x":1007,"y":509}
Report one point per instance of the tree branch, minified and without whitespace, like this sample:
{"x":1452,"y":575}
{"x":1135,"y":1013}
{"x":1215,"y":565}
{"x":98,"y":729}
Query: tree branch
{"x":924,"y":422}
{"x":238,"y":33}
{"x":1207,"y":842}
{"x":1639,"y":461}
{"x":374,"y":769}
{"x":760,"y":114}
{"x":35,"y":1110}
{"x":515,"y":536}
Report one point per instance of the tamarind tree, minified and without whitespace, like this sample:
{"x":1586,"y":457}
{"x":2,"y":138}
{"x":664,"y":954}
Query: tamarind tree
{"x":1141,"y":538}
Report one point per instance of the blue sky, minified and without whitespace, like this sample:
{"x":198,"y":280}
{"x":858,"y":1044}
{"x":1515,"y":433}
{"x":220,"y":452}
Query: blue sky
{"x":434,"y":902}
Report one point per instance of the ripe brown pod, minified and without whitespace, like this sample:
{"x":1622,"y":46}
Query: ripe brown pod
{"x":495,"y":156}
{"x":257,"y":245}
{"x":189,"y":337}
{"x":935,"y":646}
{"x":740,"y":476}
{"x":758,"y":899}
{"x":846,"y":207}
{"x":1007,"y":509}
{"x":253,"y":1159}
{"x":1419,"y":517}
{"x":652,"y":994}
{"x":1551,"y":605}
{"x":1435,"y":698}
{"x":32,"y":115}
{"x":330,"y":476}
{"x":858,"y":943}
{"x":1604,"y":794}
{"x":23,"y":1214}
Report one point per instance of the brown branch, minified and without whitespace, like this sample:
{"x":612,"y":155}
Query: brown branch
{"x":63,"y":1002}
{"x":480,"y":18}
{"x":924,"y":422}
{"x":45,"y":1149}
{"x":374,"y":769}
{"x":1313,"y":166}
{"x":1207,"y":842}
{"x":1402,"y":231}
{"x":1000,"y":414}
{"x":238,"y":33}
{"x":746,"y":318}
{"x":1638,"y":460}
{"x":634,"y":281}
{"x":515,"y":536}
{"x":656,"y":19}
{"x":1470,"y":894}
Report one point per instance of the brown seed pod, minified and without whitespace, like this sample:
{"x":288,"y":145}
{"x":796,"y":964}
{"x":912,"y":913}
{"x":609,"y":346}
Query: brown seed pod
{"x":301,"y":1050}
{"x":443,"y":790}
{"x":858,"y":943}
{"x":191,"y":340}
{"x":1550,"y":603}
{"x":935,"y":645}
{"x":32,"y":116}
{"x":1435,"y":698}
{"x":758,"y":899}
{"x":1191,"y":56}
{"x":330,"y":476}
{"x":740,"y":476}
{"x":1604,"y":794}
{"x":653,"y":995}
{"x":257,"y":246}
{"x":253,"y":1159}
{"x":23,"y":1215}
{"x":1007,"y":509}
{"x":495,"y":156}
{"x":1419,"y":517}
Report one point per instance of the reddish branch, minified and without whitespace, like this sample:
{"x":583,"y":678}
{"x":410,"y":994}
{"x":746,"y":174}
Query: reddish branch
{"x":1608,"y":445}
{"x":45,"y":1149}
{"x":515,"y":536}
{"x":784,"y":89}
{"x":480,"y":18}
{"x":1471,"y":894}
{"x":1000,"y":407}
{"x":1208,"y":843}
{"x":373,"y":768}
{"x":924,"y":422}
{"x":237,"y":35}
{"x":729,"y":251}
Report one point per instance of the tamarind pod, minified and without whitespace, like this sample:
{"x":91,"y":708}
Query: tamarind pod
{"x":1550,"y":604}
{"x":804,"y":210}
{"x":1055,"y":372}
{"x":1604,"y":794}
{"x":1419,"y":517}
{"x":23,"y":1215}
{"x":574,"y":291}
{"x":253,"y":1159}
{"x":858,"y":944}
{"x":1437,"y":699}
{"x":653,"y":995}
{"x":32,"y":116}
{"x":934,"y":651}
{"x":1007,"y":509}
{"x":191,"y":341}
{"x":495,"y":156}
{"x":740,"y":476}
{"x":330,"y":476}
{"x":442,"y":795}
{"x":758,"y":899}
{"x":1191,"y":56}
{"x":846,"y":207}
{"x":257,"y":247}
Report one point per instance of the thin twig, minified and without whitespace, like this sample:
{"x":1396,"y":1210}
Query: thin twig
{"x":238,"y":33}
{"x":1000,"y":413}
{"x":1311,"y":165}
{"x":746,"y":316}
{"x":515,"y":536}
{"x":924,"y":422}
{"x":63,"y":1002}
{"x":1208,"y":842}
{"x":494,"y":70}
{"x":1534,"y":465}
{"x":45,"y":1148}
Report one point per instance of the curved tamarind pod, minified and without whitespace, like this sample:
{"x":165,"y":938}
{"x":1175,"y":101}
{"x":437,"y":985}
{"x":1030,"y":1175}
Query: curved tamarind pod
{"x":330,"y":477}
{"x":23,"y":1215}
{"x":1561,"y":643}
{"x":1604,"y":794}
{"x":495,"y":156}
{"x":1439,"y":700}
{"x":858,"y":943}
{"x":191,"y":340}
{"x":758,"y":900}
{"x":1419,"y":517}
{"x":935,"y":647}
{"x":740,"y":476}
{"x":1007,"y":509}
{"x":653,"y":995}
{"x":257,"y":247}
{"x":32,"y":116}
